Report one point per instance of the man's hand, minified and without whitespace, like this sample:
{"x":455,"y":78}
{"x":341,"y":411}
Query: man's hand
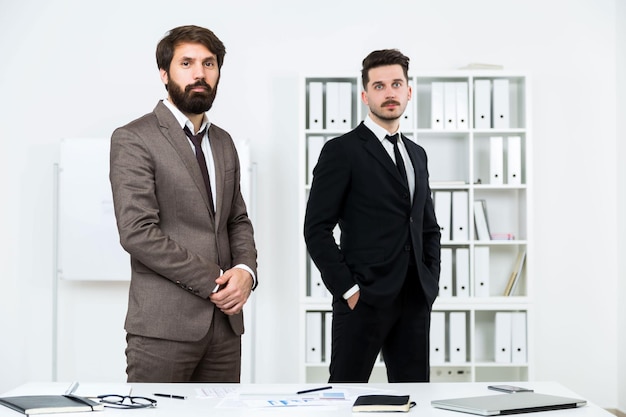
{"x":354,"y":298}
{"x":235,"y":288}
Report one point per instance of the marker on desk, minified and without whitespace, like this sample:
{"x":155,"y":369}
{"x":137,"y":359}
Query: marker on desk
{"x":177,"y":397}
{"x":306,"y":391}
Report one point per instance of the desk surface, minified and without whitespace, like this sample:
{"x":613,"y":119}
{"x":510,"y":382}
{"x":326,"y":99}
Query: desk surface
{"x":245,"y":404}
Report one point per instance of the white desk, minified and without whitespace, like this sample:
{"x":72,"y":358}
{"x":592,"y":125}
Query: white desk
{"x":205,"y":407}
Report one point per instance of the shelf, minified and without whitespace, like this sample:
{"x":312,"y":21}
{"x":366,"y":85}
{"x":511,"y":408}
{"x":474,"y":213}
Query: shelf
{"x":463,"y":157}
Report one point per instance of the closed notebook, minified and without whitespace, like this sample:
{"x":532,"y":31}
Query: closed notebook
{"x":382,"y":403}
{"x":48,"y":404}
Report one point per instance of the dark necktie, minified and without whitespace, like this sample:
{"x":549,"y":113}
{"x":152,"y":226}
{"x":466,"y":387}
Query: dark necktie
{"x":399,"y":161}
{"x":197,"y":141}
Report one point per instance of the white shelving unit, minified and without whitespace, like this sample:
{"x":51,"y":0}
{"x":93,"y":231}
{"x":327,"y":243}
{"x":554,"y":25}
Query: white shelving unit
{"x":464,"y":161}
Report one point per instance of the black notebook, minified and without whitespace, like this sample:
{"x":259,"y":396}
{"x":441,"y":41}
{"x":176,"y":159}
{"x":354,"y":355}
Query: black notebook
{"x":48,"y":404}
{"x":382,"y":403}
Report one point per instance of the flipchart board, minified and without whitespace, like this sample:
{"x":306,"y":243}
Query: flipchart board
{"x":88,"y":242}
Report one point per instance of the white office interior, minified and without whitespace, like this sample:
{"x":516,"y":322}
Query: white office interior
{"x":75,"y":69}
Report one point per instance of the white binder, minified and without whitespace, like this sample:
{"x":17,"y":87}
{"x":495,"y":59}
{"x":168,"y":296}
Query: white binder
{"x":482,"y":104}
{"x":496,"y":160}
{"x":462,"y":272}
{"x":518,"y":337}
{"x":445,"y":274}
{"x":462,"y":103}
{"x":408,"y":117}
{"x":313,"y":337}
{"x":480,"y":220}
{"x":436,"y":106}
{"x":460,"y":216}
{"x":313,"y":150}
{"x":332,"y":105}
{"x":458,"y":337}
{"x":503,"y":337}
{"x":317,"y":288}
{"x":514,"y":160}
{"x":328,"y":335}
{"x":501,"y":107}
{"x":344,"y":113}
{"x":481,"y":271}
{"x":449,"y":106}
{"x":316,"y":105}
{"x":443,"y":213}
{"x":437,"y":338}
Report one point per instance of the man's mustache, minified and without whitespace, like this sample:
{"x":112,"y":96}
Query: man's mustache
{"x":388,"y":102}
{"x":199,"y":83}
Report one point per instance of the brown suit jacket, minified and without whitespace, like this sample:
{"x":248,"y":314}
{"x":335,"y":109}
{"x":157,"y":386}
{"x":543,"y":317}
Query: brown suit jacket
{"x":177,"y":246}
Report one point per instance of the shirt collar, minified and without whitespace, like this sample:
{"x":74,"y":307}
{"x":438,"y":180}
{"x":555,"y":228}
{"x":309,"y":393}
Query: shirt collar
{"x":378,"y":130}
{"x":183,"y":120}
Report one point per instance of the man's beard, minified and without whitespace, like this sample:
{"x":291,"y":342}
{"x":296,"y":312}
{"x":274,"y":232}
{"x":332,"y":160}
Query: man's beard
{"x":192,"y":102}
{"x":387,"y":116}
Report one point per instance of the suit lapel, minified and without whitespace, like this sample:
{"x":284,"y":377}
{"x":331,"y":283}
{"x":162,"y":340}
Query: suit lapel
{"x":374,"y":147}
{"x":179,"y":141}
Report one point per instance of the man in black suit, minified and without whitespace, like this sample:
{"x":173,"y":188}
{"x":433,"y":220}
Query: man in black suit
{"x":384,"y":274}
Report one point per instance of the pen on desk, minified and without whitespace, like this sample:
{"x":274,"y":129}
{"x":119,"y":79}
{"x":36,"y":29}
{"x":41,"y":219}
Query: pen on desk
{"x":72,"y":388}
{"x":178,"y":397}
{"x":306,"y":391}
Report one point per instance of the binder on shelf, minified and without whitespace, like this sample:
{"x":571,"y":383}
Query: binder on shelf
{"x":516,"y":273}
{"x":514,"y":160}
{"x":496,"y":160}
{"x":313,"y":150}
{"x":518,"y":337}
{"x":480,"y":220}
{"x":313,"y":337}
{"x":481,"y":271}
{"x":449,"y":106}
{"x":332,"y":105}
{"x":436,"y":106}
{"x":344,"y":113}
{"x":482,"y":104}
{"x":316,"y":105}
{"x":462,"y":103}
{"x":408,"y":117}
{"x":437,"y":337}
{"x":317,"y":287}
{"x":328,"y":335}
{"x":502,"y":337}
{"x":501,"y":107}
{"x":462,"y":268}
{"x":443,"y":213}
{"x":458,"y":337}
{"x":445,"y":274}
{"x":460,"y":215}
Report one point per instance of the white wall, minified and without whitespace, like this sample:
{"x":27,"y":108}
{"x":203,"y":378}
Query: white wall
{"x":621,"y":186}
{"x":80,"y":69}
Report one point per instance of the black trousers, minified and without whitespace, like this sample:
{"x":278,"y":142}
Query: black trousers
{"x":399,"y":330}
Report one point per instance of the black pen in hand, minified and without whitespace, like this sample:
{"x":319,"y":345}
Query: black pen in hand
{"x":178,"y":397}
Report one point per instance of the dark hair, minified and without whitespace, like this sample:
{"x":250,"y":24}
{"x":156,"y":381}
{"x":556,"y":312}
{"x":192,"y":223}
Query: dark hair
{"x":381,"y":58}
{"x":191,"y":34}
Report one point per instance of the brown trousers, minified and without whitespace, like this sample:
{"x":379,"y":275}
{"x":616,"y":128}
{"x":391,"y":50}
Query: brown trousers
{"x":214,"y":358}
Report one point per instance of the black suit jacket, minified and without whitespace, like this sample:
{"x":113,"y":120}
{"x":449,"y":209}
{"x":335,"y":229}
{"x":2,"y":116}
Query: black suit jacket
{"x":357,"y":185}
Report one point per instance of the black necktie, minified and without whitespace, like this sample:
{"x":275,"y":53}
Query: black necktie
{"x":399,"y":161}
{"x":197,"y":141}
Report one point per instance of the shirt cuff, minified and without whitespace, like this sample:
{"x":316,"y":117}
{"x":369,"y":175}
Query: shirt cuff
{"x":355,"y":288}
{"x":247,"y":268}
